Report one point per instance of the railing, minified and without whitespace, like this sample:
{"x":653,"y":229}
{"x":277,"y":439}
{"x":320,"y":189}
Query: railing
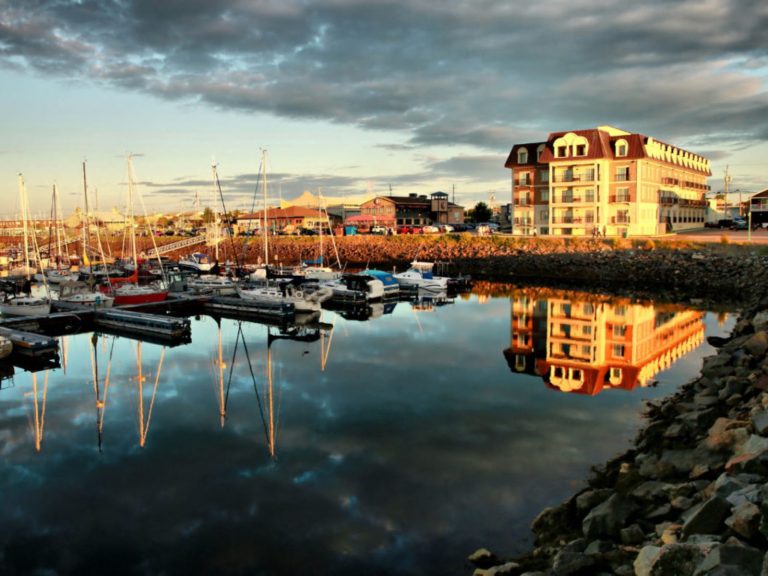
{"x":524,"y":201}
{"x":619,"y":219}
{"x":582,"y":177}
{"x":567,"y":220}
{"x":621,"y":198}
{"x":570,"y":199}
{"x":622,"y":178}
{"x":176,"y":246}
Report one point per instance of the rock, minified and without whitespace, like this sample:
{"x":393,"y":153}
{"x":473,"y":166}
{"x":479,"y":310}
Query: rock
{"x":760,"y":422}
{"x":568,"y":562}
{"x":608,"y":518}
{"x":652,"y":490}
{"x":716,"y":365}
{"x":598,"y":547}
{"x":760,"y":321}
{"x":764,"y":571}
{"x":757,"y":344}
{"x":745,"y":520}
{"x":483,"y":558}
{"x":677,"y":559}
{"x":632,"y":535}
{"x":725,"y":434}
{"x":501,"y":569}
{"x":591,"y":498}
{"x":707,"y":517}
{"x":645,"y":560}
{"x":749,"y":560}
{"x":671,"y":533}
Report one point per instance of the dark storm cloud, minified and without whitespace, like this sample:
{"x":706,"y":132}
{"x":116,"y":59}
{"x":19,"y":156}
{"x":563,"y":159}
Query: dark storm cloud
{"x":484,"y":73}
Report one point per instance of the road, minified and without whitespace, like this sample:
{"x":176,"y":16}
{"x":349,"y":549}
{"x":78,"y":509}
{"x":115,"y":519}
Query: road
{"x":759,"y":236}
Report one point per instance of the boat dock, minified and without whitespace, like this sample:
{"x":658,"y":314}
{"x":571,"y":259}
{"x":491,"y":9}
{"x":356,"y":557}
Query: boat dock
{"x":30,"y":344}
{"x":238,"y":308}
{"x":143,"y":323}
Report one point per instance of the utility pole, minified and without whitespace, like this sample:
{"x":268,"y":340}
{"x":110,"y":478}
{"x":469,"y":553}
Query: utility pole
{"x":726,"y":183}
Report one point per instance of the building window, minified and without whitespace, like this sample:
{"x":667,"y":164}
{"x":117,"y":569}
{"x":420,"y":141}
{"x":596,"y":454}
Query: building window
{"x":524,"y":179}
{"x":539,"y":150}
{"x":581,"y":150}
{"x":619,"y":330}
{"x":543,"y":175}
{"x":622,"y":173}
{"x":621,"y":148}
{"x":545,"y":195}
{"x":589,"y":195}
{"x":618,"y":350}
{"x":522,"y":156}
{"x":622,"y":195}
{"x":562,"y":151}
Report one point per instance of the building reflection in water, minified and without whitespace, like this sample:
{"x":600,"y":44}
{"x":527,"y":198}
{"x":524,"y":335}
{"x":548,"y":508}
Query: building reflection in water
{"x":582,"y":343}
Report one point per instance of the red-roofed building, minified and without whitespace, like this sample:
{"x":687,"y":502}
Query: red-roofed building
{"x":606,"y":181}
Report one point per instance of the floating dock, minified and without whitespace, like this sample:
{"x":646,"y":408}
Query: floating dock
{"x":30,"y":344}
{"x":155,"y":325}
{"x":236,"y":307}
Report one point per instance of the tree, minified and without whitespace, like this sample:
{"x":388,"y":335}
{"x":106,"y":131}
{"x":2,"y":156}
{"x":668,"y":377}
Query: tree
{"x":481,"y":212}
{"x":207,"y":215}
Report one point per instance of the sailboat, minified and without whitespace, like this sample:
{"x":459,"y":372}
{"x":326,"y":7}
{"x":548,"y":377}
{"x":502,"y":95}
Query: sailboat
{"x":129,"y":291}
{"x":60,"y":272}
{"x":285,"y":291}
{"x":81,"y":292}
{"x":26,"y":305}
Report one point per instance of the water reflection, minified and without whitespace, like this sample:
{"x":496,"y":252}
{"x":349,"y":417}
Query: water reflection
{"x":337,"y":446}
{"x":586,"y":344}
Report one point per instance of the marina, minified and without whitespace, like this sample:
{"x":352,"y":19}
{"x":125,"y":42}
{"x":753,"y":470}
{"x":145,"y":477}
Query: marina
{"x":381,"y":420}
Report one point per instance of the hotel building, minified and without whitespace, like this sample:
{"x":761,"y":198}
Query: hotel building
{"x":606,"y":181}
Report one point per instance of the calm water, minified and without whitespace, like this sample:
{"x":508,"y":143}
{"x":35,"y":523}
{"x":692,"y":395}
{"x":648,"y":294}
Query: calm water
{"x":394,"y":445}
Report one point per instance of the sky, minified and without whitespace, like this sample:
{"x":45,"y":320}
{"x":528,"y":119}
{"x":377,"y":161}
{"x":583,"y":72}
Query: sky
{"x":352,"y":97}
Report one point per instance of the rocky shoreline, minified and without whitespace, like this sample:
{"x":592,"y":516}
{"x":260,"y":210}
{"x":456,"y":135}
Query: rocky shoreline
{"x":691,"y":496}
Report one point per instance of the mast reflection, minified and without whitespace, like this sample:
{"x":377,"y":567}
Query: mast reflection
{"x":584,"y":344}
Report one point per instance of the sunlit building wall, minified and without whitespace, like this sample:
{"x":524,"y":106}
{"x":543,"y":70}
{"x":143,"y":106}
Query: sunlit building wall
{"x":606,"y":181}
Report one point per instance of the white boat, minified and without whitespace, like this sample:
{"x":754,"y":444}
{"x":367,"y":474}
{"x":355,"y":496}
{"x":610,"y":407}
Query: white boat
{"x":356,"y":288}
{"x":55,"y":276}
{"x":6,"y":347}
{"x":212,"y":284}
{"x":80,"y":293}
{"x":302,"y":301}
{"x":25,"y":306}
{"x":391,"y":285}
{"x":420,"y":275}
{"x":197,"y":262}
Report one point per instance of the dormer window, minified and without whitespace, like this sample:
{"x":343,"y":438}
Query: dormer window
{"x":581,"y":150}
{"x":562,"y":151}
{"x":522,"y":156}
{"x":539,"y":151}
{"x":621,"y":148}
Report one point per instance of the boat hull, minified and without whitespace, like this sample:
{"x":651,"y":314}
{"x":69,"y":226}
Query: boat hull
{"x":125,"y":299}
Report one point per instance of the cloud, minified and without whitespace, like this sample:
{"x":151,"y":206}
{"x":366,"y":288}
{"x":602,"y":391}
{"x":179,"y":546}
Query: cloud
{"x":470,"y":72}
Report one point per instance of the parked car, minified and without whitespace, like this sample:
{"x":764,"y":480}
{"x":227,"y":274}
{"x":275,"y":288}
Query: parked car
{"x":463,"y":227}
{"x":381,"y":230}
{"x":408,"y":229}
{"x":446,"y":228}
{"x":304,"y":232}
{"x":739,"y":224}
{"x":430,"y":230}
{"x":724,"y":223}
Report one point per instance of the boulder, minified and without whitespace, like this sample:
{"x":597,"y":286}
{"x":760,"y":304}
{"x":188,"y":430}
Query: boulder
{"x":500,"y":570}
{"x":745,"y":520}
{"x":632,"y":535}
{"x":678,"y":559}
{"x":760,"y":321}
{"x":608,"y":518}
{"x":757,"y":344}
{"x":645,"y":560}
{"x":760,"y":422}
{"x":729,"y":559}
{"x":483,"y":558}
{"x":707,"y":517}
{"x":591,"y":498}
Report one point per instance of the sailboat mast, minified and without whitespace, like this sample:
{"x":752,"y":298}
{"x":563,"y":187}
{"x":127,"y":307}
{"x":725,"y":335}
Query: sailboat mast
{"x":24,"y":209}
{"x":264,"y":187}
{"x":130,"y":211}
{"x":85,"y":218}
{"x":57,"y":223}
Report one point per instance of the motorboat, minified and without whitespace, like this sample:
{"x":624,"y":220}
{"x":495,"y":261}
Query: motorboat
{"x":57,"y":276}
{"x":285,"y":292}
{"x":25,"y":306}
{"x":212,"y":284}
{"x":356,"y":288}
{"x":197,"y":262}
{"x":391,"y":285}
{"x":420,"y":275}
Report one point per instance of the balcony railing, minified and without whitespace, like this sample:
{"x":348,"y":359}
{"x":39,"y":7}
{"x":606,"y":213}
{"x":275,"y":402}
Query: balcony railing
{"x":622,"y":178}
{"x":567,"y":220}
{"x":621,"y":198}
{"x":523,"y":201}
{"x":619,"y":219}
{"x":570,"y":199}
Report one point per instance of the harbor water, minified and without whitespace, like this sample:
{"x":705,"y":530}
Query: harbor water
{"x":396,"y":439}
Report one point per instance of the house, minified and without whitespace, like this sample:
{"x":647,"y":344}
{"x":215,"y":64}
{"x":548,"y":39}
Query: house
{"x":414,"y":209}
{"x":606,"y":181}
{"x":286,"y":219}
